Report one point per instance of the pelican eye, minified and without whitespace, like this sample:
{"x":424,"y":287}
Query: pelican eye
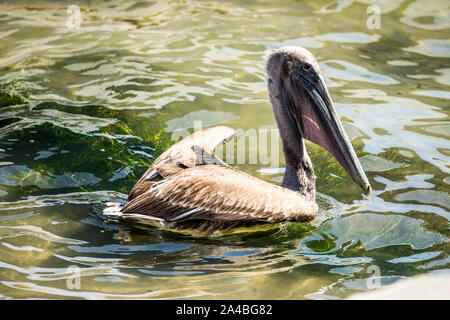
{"x":307,"y":67}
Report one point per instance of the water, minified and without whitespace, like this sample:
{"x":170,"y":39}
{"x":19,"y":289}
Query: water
{"x":83,"y":112}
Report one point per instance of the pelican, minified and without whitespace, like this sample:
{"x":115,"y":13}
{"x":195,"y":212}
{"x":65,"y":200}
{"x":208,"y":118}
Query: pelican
{"x":189,"y":187}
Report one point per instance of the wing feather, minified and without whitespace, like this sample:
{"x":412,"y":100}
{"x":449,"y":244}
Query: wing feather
{"x":189,"y":183}
{"x":184,"y":154}
{"x":221,"y":193}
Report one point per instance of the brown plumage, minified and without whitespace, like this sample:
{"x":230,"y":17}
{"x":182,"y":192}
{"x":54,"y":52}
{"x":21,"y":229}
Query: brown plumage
{"x":189,"y":187}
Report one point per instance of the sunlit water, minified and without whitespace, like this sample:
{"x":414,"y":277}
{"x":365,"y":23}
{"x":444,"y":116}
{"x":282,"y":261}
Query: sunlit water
{"x":83,"y":112}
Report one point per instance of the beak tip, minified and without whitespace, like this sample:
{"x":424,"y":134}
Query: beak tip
{"x":368,"y":191}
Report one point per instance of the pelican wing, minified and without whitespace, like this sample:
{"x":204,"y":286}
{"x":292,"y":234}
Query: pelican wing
{"x":192,"y":151}
{"x":188,"y":182}
{"x":218,"y":193}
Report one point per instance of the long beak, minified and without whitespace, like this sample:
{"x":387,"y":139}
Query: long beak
{"x":309,"y":102}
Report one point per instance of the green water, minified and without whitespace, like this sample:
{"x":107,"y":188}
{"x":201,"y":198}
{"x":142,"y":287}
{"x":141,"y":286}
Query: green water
{"x":83,"y":112}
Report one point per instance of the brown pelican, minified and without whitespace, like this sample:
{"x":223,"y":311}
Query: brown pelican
{"x":189,"y":187}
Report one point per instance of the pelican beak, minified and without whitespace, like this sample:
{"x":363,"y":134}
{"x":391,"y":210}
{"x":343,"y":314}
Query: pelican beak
{"x":308,"y":101}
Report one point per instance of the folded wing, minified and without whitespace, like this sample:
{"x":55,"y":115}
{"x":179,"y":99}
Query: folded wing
{"x":220,"y":193}
{"x":188,"y":182}
{"x":183,"y":155}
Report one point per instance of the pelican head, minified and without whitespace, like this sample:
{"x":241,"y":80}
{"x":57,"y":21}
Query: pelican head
{"x":303,"y":108}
